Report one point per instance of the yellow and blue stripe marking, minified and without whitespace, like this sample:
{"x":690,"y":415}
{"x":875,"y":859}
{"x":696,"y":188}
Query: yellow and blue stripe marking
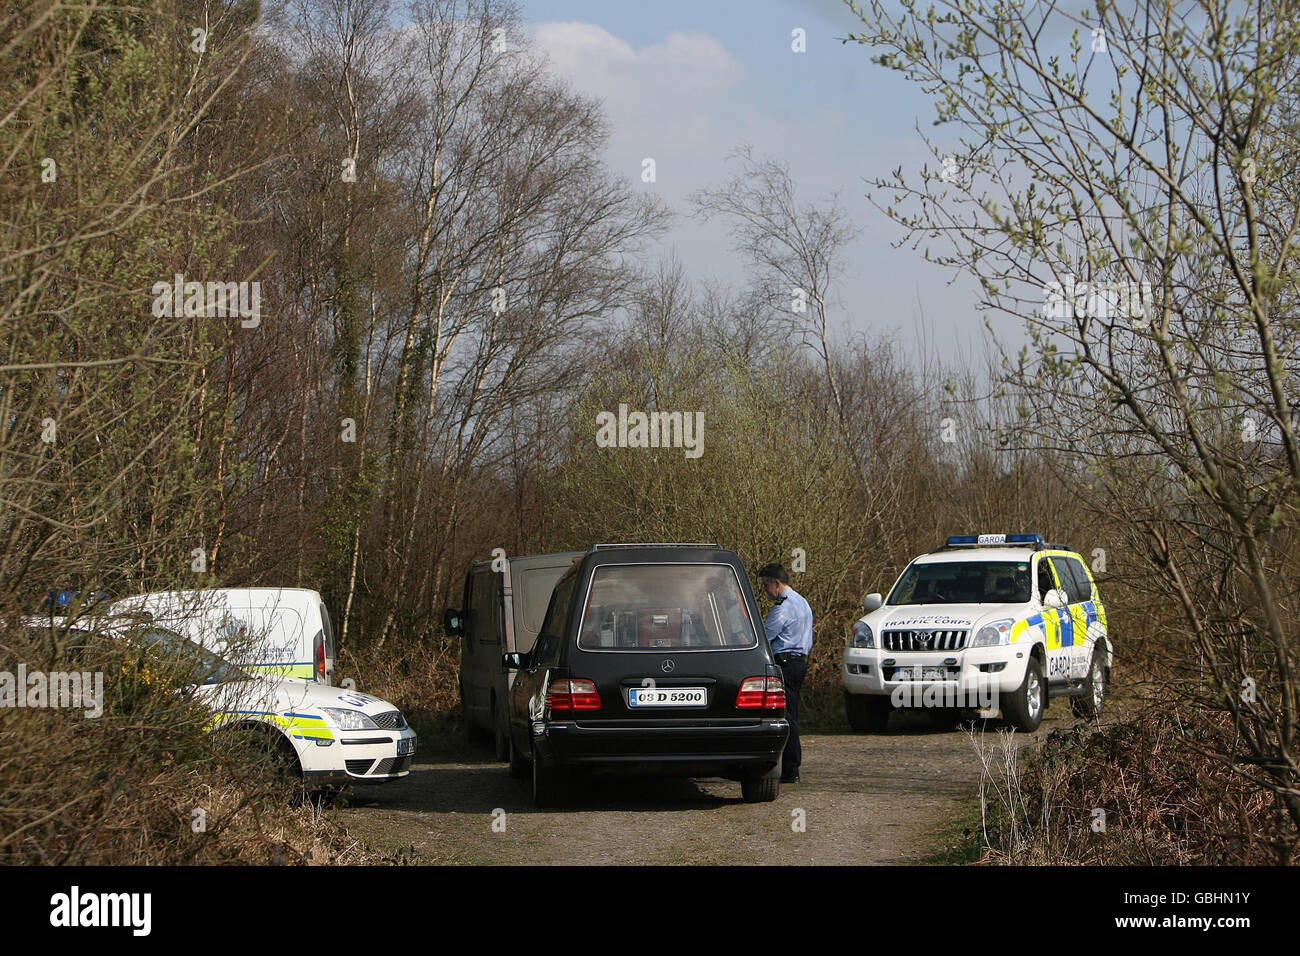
{"x":298,"y":726}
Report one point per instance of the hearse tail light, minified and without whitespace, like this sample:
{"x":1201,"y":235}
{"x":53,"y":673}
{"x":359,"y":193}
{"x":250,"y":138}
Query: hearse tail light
{"x":761,"y":693}
{"x":571,"y":694}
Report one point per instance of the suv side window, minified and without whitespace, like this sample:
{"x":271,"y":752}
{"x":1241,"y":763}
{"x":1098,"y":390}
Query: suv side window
{"x":1081,"y":579}
{"x":1066,"y":576}
{"x":1045,"y":580}
{"x":556,"y":625}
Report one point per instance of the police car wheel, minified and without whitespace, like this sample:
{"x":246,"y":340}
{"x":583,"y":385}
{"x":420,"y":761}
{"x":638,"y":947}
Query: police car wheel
{"x":519,"y":768}
{"x":867,"y":713}
{"x":548,"y":784}
{"x":1090,"y":704}
{"x":268,"y":759}
{"x":1024,"y":709}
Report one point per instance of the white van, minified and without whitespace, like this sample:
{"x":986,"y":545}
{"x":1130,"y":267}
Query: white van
{"x":283,"y":632}
{"x":501,"y":613}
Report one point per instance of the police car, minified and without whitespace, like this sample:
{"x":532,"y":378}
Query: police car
{"x":337,"y":736}
{"x":329,"y":736}
{"x":987,"y":622}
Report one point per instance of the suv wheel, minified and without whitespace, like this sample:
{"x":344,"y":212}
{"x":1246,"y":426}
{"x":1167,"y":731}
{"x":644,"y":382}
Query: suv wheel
{"x":867,"y":713}
{"x":519,"y":768}
{"x":548,"y":784}
{"x":756,"y":788}
{"x":1090,"y":704}
{"x":1024,"y":709}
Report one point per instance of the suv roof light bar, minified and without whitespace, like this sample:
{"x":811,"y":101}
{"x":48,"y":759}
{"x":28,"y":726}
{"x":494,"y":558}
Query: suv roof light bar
{"x":994,"y":540}
{"x":658,"y":544}
{"x":1001,"y":540}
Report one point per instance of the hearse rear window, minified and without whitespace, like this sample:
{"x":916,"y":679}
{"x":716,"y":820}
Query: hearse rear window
{"x":656,"y":607}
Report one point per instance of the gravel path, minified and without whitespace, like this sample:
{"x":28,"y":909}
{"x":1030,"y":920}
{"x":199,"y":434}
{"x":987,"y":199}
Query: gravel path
{"x":864,"y":799}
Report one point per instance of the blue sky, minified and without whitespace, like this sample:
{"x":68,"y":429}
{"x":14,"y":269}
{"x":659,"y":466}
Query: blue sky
{"x":685,"y":81}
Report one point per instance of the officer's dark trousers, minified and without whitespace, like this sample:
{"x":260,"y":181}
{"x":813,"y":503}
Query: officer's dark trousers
{"x":792,"y":672}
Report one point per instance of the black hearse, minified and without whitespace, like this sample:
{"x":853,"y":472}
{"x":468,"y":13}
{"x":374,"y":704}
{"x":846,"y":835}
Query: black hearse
{"x":651,"y":659}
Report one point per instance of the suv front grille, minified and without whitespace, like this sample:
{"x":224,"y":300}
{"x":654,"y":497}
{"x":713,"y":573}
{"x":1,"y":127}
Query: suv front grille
{"x":924,"y":640}
{"x":392,"y":720}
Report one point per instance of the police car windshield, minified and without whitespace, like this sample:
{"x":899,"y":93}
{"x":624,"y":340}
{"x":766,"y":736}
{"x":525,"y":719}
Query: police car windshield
{"x":208,"y":668}
{"x":963,"y":582}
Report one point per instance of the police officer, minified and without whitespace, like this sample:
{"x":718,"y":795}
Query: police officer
{"x":789,"y":627}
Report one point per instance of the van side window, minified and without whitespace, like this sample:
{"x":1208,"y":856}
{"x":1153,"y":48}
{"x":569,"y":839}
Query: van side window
{"x":486,"y":619}
{"x":556,"y":624}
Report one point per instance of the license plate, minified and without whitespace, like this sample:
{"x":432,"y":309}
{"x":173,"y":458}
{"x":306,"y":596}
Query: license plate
{"x":405,"y":746}
{"x":638,"y":697}
{"x":921,"y":673}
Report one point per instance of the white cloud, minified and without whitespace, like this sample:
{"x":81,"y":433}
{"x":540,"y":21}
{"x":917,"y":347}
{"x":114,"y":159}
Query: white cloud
{"x":597,"y":62}
{"x":687,"y":102}
{"x":683,"y":101}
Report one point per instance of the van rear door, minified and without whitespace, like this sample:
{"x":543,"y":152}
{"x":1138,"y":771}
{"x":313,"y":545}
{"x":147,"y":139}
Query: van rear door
{"x":481,"y":649}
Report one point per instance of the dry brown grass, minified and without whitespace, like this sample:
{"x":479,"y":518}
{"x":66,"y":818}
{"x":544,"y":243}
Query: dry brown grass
{"x":1165,"y":803}
{"x":144,"y":783}
{"x":419,"y":676}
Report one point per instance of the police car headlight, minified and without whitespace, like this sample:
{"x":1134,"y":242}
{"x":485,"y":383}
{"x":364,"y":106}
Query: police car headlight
{"x":349,"y":719}
{"x":862,"y":636}
{"x":991,"y":635}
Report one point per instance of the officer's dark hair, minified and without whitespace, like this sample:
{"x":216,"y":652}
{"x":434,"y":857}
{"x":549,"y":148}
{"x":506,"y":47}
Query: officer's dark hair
{"x":776,"y":572}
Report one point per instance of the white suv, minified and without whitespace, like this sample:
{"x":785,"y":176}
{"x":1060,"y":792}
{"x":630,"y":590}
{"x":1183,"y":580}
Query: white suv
{"x":988,"y":622}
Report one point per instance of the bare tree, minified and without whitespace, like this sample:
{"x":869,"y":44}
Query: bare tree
{"x":796,"y":250}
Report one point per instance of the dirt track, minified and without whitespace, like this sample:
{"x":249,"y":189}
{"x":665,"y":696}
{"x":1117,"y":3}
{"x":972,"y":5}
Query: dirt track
{"x":891,"y":798}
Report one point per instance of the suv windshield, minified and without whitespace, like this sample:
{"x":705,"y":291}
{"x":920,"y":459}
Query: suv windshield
{"x":653,"y":607}
{"x":963,"y":582}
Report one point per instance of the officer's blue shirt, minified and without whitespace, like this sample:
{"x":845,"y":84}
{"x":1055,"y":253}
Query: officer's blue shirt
{"x":789,"y":624}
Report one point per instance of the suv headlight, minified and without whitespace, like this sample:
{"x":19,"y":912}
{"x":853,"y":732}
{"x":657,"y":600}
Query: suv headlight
{"x":349,"y":719}
{"x":862,"y":636}
{"x":993,"y":634}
